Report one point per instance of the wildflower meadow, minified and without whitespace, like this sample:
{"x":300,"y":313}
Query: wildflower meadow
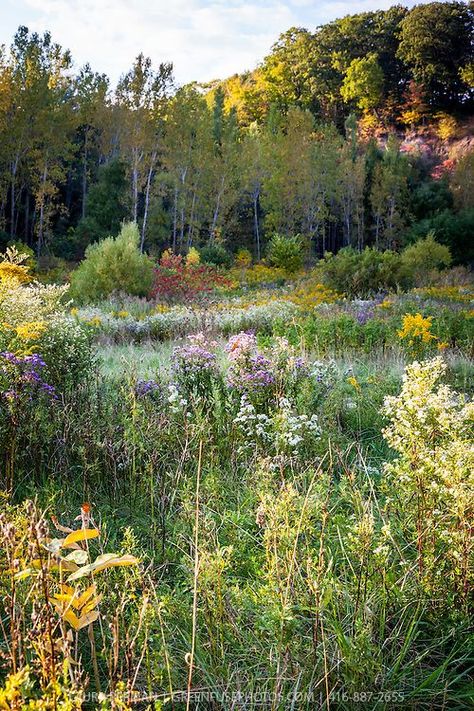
{"x":235,"y":493}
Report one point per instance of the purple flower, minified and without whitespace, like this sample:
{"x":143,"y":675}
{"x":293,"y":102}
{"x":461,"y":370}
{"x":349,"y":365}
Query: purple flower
{"x":23,"y":377}
{"x":146,"y":387}
{"x":364,"y":315}
{"x":35,"y":361}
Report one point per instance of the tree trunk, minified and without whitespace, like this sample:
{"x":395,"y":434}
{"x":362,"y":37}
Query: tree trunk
{"x":84,"y":174}
{"x":215,"y":217}
{"x":13,"y":195}
{"x":41,"y":218}
{"x":147,"y":200}
{"x":175,"y":217}
{"x":255,"y":222}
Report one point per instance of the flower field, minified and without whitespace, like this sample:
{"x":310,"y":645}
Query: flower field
{"x":258,"y":499}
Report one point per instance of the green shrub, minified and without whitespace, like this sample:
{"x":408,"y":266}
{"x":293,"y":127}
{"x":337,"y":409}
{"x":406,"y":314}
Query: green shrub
{"x":286,"y":252}
{"x":362,"y":273}
{"x":66,"y":347}
{"x":114,"y":264}
{"x":216,"y":255}
{"x":422,"y":258}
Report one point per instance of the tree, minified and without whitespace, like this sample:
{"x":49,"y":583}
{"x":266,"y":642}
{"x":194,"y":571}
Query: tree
{"x":286,"y":252}
{"x":141,"y":95}
{"x":435,"y":43}
{"x":462,"y":181}
{"x":389,"y":195}
{"x":363,"y":83}
{"x":90,"y":98}
{"x":106,"y":209}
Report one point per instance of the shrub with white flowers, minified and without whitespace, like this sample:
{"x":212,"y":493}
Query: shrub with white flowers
{"x":431,"y":481}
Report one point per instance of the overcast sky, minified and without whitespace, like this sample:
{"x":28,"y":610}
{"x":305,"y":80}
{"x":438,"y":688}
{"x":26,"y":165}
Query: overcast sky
{"x":204,"y":40}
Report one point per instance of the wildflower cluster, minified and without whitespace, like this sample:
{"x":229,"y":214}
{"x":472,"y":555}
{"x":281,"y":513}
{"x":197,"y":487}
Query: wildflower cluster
{"x":249,"y":369}
{"x":416,"y":332}
{"x":194,"y":366}
{"x":21,"y":376}
{"x":144,"y":388}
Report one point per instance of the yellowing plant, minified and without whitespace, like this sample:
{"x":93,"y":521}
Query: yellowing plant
{"x":193,"y":257}
{"x":77,"y":607}
{"x":25,"y":306}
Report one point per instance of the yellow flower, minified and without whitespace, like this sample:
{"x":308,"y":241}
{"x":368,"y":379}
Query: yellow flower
{"x":74,"y":311}
{"x":416,"y":326}
{"x":451,"y":293}
{"x":354,"y":382}
{"x":30,"y":331}
{"x":14,"y":272}
{"x":442,"y":346}
{"x":95,"y":321}
{"x":122,"y":314}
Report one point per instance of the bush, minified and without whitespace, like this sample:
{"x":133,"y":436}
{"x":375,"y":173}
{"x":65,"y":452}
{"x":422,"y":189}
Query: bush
{"x":66,"y":347}
{"x":453,"y":229}
{"x":422,"y":258}
{"x":114,"y":264}
{"x":361,"y":273}
{"x":216,"y":255}
{"x":243,"y":259}
{"x":286,"y":252}
{"x":177,"y":280}
{"x":24,"y":249}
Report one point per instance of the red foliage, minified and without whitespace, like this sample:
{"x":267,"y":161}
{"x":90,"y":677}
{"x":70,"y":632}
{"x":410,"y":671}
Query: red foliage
{"x":444,"y":169}
{"x":176,"y":281}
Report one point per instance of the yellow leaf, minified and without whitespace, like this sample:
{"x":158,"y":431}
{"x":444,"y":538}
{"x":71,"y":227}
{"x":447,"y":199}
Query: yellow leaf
{"x":107,"y":560}
{"x":90,"y":605}
{"x":67,"y":589}
{"x":84,"y":597}
{"x":80,"y":535}
{"x":24,"y":574}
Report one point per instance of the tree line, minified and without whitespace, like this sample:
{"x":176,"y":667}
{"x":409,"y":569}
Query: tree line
{"x":288,"y":148}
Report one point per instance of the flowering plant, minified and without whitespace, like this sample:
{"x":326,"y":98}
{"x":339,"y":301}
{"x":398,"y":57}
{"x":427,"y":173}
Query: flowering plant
{"x":195,"y":367}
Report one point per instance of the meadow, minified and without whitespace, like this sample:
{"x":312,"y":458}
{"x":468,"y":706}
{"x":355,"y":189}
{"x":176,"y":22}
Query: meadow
{"x":257,"y":497}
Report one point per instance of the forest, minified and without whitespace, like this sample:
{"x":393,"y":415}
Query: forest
{"x":357,"y":133}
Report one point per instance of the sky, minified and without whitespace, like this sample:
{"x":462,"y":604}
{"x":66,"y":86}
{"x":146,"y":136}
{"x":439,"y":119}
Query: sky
{"x":204,"y":40}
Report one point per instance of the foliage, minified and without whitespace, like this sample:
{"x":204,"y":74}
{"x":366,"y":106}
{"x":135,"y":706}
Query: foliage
{"x":431,"y":429}
{"x":423,"y":257}
{"x":286,"y":253}
{"x":363,"y":82}
{"x":105,"y":210}
{"x":114,"y":264}
{"x":359,"y":274}
{"x":461,"y":179}
{"x":177,"y":280}
{"x":216,"y":255}
{"x":451,"y":229}
{"x":42,"y":571}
